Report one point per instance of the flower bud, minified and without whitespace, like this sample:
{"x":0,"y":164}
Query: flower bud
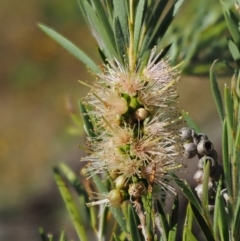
{"x":141,"y":114}
{"x":186,"y":134}
{"x":204,"y":147}
{"x":115,"y":197}
{"x":190,"y":150}
{"x":136,"y":190}
{"x":213,"y":163}
{"x":120,"y":182}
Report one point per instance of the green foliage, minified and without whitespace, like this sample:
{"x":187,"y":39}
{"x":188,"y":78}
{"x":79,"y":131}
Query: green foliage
{"x":127,"y":30}
{"x":216,"y":93}
{"x":225,"y":224}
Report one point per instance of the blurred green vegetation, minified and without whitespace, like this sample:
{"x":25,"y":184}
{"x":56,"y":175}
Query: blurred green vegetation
{"x":37,"y":75}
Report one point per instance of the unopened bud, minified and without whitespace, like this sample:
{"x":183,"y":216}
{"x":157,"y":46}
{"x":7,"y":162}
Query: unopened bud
{"x":141,"y":114}
{"x":120,"y":182}
{"x":115,"y":197}
{"x":136,"y":190}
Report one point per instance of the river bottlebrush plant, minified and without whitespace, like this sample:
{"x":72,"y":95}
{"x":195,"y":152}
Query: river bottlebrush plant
{"x":135,"y":140}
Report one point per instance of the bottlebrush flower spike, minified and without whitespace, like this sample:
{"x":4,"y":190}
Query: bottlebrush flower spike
{"x":133,"y":116}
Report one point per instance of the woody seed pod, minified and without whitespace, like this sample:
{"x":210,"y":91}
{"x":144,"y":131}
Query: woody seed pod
{"x":190,"y":150}
{"x":204,"y":147}
{"x":198,"y":176}
{"x":186,"y":134}
{"x":213,"y":163}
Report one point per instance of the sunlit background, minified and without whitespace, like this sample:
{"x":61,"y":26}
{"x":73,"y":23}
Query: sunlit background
{"x":38,"y":90}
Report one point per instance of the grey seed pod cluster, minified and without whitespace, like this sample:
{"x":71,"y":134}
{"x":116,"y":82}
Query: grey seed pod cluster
{"x":199,"y":144}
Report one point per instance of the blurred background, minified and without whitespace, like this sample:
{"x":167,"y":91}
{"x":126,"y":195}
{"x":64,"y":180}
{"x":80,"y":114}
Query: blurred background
{"x":39,"y":90}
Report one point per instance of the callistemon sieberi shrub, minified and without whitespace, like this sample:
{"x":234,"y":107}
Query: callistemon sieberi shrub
{"x":134,"y":114}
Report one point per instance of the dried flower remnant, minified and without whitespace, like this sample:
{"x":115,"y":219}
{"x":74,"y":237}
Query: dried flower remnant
{"x":134,"y":116}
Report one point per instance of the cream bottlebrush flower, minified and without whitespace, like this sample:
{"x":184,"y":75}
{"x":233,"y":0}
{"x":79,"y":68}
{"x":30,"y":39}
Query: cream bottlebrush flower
{"x":159,"y":80}
{"x":106,"y":103}
{"x":133,"y":113}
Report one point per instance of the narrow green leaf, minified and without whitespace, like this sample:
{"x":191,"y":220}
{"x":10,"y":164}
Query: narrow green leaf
{"x":216,"y":214}
{"x":138,"y":23}
{"x":119,"y":39}
{"x":83,"y":10}
{"x":190,"y":122}
{"x":220,"y":218}
{"x":174,"y":220}
{"x":160,"y":31}
{"x":148,"y":208}
{"x":88,"y":126}
{"x":71,"y":207}
{"x":102,"y":15}
{"x":188,"y":223}
{"x":204,"y":226}
{"x":151,"y":24}
{"x":234,"y":51}
{"x":101,"y":34}
{"x":205,"y":186}
{"x":226,"y":159}
{"x":72,"y":178}
{"x":133,"y":225}
{"x":189,"y":235}
{"x":70,"y":47}
{"x":232,"y":23}
{"x":228,"y":108}
{"x":216,"y":93}
{"x":119,"y":218}
{"x":98,"y":182}
{"x":81,"y":191}
{"x":156,"y":13}
{"x":120,"y":9}
{"x":236,"y":153}
{"x":163,"y":220}
{"x":236,"y":221}
{"x":183,"y":185}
